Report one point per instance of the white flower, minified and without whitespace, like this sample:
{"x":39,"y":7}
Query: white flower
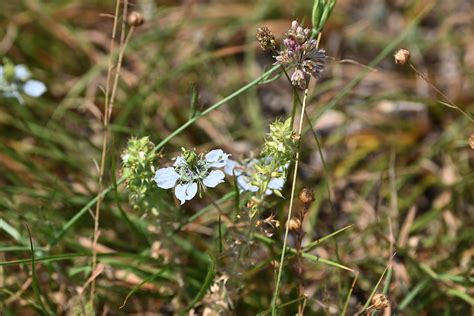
{"x":243,"y":173}
{"x":20,"y":83}
{"x":191,"y":172}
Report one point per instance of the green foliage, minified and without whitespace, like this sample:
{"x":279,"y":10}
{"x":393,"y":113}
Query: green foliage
{"x":138,"y":171}
{"x":322,"y":10}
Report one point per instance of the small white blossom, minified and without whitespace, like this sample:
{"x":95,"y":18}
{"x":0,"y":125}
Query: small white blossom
{"x":192,"y":172}
{"x":19,"y":82}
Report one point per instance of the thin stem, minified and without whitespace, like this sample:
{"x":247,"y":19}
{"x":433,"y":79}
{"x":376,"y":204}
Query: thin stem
{"x":109,"y":99}
{"x":252,"y":225}
{"x":293,"y":189}
{"x":450,"y":103}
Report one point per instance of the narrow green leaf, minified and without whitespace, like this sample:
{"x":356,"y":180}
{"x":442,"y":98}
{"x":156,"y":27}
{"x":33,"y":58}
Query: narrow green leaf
{"x":139,"y":286}
{"x":211,"y":272}
{"x":34,"y":278}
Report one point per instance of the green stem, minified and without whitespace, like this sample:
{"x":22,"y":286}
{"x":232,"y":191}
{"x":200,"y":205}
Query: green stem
{"x":293,"y":189}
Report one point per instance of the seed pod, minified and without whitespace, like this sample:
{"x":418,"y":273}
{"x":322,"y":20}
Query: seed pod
{"x":402,"y":56}
{"x":294,"y":224}
{"x":135,"y":19}
{"x":306,"y":196}
{"x":379,"y":301}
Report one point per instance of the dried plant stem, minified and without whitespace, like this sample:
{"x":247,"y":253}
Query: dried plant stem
{"x":450,"y":103}
{"x":109,"y":100}
{"x":292,"y":197}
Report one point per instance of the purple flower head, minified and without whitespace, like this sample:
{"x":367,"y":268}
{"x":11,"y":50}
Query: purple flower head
{"x":301,"y":52}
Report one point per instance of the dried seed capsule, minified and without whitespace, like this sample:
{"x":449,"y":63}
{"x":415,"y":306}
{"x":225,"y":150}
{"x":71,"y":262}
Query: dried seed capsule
{"x":294,"y":224}
{"x":135,"y":19}
{"x":379,"y":301}
{"x":402,"y":56}
{"x":306,"y":196}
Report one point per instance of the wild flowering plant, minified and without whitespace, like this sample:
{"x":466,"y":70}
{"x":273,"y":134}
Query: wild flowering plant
{"x":138,"y":171}
{"x":192,"y":172}
{"x":15,"y":81}
{"x":277,"y":153}
{"x":301,"y":52}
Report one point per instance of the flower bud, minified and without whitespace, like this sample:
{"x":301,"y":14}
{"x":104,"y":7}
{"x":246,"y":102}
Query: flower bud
{"x":402,"y":56}
{"x":135,"y":19}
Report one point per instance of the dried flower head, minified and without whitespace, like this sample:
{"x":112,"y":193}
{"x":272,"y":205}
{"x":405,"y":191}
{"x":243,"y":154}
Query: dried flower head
{"x":268,"y":225}
{"x":135,"y":19}
{"x":265,"y":38}
{"x":302,"y":53}
{"x":402,"y":56}
{"x":217,"y":300}
{"x":380,"y":301}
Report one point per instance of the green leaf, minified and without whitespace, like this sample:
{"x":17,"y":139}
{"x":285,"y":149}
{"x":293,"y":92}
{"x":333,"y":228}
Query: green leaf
{"x":211,"y":272}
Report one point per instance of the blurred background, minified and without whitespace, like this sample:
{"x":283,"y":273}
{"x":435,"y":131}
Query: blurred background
{"x":399,"y":164}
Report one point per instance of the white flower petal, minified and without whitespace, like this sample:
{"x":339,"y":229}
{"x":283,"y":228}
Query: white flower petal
{"x":276,"y":183}
{"x":216,"y":158}
{"x":230,"y":168}
{"x":214,"y":178}
{"x":180,"y":160}
{"x":34,"y":88}
{"x":1,"y":71}
{"x":185,"y":192}
{"x":166,"y":178}
{"x":244,"y":184}
{"x":22,"y":73}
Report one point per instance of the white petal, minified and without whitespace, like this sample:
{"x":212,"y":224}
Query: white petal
{"x":34,"y":88}
{"x":214,"y":178}
{"x":244,"y":184}
{"x":180,"y":161}
{"x":216,"y":158}
{"x":22,"y":73}
{"x":276,"y":183}
{"x":1,"y":71}
{"x":185,"y":192}
{"x":230,"y":168}
{"x":166,"y":178}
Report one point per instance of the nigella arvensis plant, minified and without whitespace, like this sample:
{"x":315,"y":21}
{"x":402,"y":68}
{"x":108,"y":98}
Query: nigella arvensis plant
{"x":301,"y":52}
{"x":192,"y":172}
{"x":15,"y":80}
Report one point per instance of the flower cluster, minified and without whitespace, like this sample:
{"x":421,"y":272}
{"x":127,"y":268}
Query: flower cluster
{"x":15,"y":80}
{"x":138,"y":170}
{"x":302,"y":53}
{"x":192,"y":171}
{"x":243,"y":173}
